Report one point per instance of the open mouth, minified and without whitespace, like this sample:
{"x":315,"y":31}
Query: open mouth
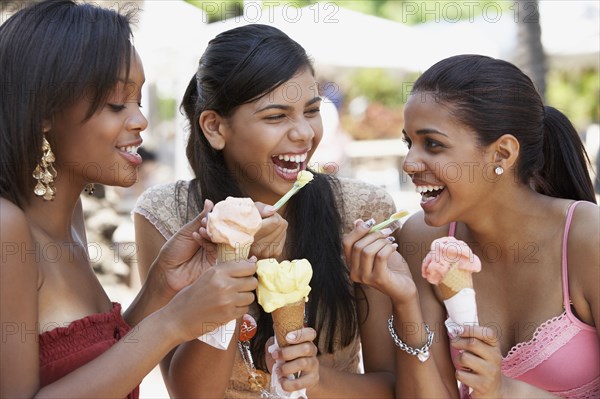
{"x":429,"y":193}
{"x":290,"y":163}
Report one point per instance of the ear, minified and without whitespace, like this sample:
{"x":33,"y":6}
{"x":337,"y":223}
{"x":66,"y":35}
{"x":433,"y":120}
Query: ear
{"x":214,"y":127}
{"x":506,"y":151}
{"x":46,"y":126}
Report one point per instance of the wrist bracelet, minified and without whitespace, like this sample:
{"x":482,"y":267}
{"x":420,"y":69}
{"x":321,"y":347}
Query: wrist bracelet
{"x":423,"y":353}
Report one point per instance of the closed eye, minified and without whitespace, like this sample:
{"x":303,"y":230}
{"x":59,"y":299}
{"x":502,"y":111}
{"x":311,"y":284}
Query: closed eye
{"x":117,"y":107}
{"x":275,"y":117}
{"x":313,"y":111}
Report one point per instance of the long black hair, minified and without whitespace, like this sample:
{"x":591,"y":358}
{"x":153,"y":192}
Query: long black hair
{"x":238,"y":67}
{"x":493,"y":97}
{"x":52,"y":54}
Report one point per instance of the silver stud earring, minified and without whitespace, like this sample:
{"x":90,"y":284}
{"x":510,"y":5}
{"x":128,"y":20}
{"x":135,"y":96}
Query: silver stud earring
{"x":89,"y":188}
{"x":499,"y":170}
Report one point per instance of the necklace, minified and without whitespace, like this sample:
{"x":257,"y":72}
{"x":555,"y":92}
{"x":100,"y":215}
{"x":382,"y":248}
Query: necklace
{"x":257,"y":378}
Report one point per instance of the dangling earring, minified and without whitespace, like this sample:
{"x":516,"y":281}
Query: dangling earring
{"x":45,"y":173}
{"x":89,"y":188}
{"x":499,"y":170}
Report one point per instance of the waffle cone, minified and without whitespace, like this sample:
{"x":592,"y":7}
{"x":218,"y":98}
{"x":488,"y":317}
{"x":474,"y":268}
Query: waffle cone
{"x":226,"y":253}
{"x":454,"y":281}
{"x":286,"y":319}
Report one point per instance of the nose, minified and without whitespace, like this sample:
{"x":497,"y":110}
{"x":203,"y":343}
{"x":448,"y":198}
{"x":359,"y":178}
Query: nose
{"x":412,"y":163}
{"x":137,"y":122}
{"x":302,"y":131}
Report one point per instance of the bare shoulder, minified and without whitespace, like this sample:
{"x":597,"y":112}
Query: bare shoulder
{"x":584,"y":244}
{"x":416,"y":236}
{"x":18,"y":246}
{"x":19,"y":355}
{"x":13,"y":224}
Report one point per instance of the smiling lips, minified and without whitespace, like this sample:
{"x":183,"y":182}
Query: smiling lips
{"x":130,"y":154}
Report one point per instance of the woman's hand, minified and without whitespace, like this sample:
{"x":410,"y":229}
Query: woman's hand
{"x":219,"y":295}
{"x":373,"y":260}
{"x":186,"y":255}
{"x":270,"y":239}
{"x":300,"y":359}
{"x":479,"y":362}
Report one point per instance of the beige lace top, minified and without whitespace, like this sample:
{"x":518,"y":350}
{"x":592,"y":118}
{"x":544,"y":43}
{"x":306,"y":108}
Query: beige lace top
{"x":166,"y":207}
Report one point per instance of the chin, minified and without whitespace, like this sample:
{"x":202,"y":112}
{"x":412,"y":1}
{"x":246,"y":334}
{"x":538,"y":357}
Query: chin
{"x":128,"y":182}
{"x":434,"y":221}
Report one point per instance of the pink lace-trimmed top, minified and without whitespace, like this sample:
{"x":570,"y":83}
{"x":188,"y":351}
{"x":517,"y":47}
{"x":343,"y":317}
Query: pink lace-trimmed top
{"x":65,"y":349}
{"x":563,"y":356}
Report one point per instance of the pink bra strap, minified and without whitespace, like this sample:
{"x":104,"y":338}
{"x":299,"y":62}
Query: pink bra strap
{"x":452,"y":229}
{"x":565,"y":274}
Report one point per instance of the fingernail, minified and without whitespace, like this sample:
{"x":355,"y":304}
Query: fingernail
{"x":357,"y":221}
{"x":369,"y":223}
{"x":387,"y":231}
{"x":391,"y":238}
{"x":253,"y":259}
{"x":454,"y":330}
{"x":291,"y":336}
{"x":269,"y":208}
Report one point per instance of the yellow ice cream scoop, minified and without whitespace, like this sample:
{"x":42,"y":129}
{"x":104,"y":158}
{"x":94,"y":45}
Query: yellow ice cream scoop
{"x":284,"y":283}
{"x":304,"y":177}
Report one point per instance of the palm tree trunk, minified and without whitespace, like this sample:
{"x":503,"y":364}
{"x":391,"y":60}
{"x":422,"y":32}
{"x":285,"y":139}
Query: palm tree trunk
{"x":530,"y":56}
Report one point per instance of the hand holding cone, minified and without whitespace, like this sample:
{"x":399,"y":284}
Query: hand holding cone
{"x":231,"y":225}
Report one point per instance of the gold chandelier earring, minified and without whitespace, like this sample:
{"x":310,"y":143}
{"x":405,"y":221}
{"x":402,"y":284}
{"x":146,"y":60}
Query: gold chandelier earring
{"x":45,"y":173}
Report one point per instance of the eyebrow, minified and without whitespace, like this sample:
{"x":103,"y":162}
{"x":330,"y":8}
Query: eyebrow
{"x":427,"y":131}
{"x":287,"y":107}
{"x":121,"y":80}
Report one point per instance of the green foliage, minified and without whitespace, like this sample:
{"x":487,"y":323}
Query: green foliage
{"x":379,"y":85}
{"x":410,"y":12}
{"x":166,"y":108}
{"x":219,"y":10}
{"x":576,"y":94}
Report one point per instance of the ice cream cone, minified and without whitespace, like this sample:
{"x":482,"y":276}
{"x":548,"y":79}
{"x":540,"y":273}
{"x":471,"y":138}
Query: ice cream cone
{"x":286,"y":319}
{"x":454,"y":281}
{"x":226,"y":253}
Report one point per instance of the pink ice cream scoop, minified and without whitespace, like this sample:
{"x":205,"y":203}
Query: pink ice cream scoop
{"x":448,"y":253}
{"x":450,"y":265}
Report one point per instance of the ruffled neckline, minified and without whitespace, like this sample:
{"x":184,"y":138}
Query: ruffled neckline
{"x":112,"y":316}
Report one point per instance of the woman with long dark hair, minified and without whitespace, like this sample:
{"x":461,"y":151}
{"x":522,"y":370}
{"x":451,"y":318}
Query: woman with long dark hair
{"x":507,"y":175}
{"x":253,"y":107}
{"x":70,"y":117}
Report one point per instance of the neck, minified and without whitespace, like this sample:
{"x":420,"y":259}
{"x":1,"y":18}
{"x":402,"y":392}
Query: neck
{"x":56,"y":217}
{"x":508,"y":218}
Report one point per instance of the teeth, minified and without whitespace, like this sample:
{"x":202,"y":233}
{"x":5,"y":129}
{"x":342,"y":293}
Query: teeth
{"x":132,"y":149}
{"x":425,"y":189}
{"x":286,"y":170}
{"x":293,"y":158}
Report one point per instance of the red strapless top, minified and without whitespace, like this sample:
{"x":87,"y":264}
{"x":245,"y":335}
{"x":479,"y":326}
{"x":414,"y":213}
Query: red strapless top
{"x":64,"y":349}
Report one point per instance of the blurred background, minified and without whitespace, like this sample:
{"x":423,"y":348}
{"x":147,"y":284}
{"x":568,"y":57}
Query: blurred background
{"x":367,"y":54}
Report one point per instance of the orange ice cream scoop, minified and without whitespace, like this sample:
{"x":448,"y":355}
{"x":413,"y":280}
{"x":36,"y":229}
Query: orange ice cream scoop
{"x":233,"y":221}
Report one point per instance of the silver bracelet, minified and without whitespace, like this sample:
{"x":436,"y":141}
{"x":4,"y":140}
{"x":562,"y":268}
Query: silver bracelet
{"x":423,"y":353}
